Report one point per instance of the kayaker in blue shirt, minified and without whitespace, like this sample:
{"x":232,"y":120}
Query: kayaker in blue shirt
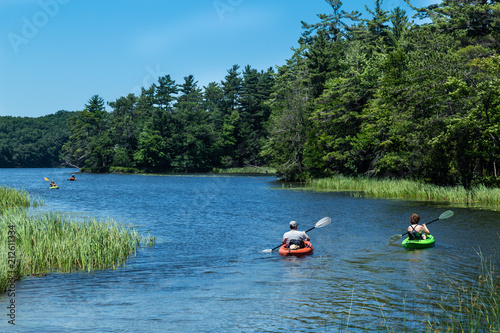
{"x":416,"y":231}
{"x":295,"y":237}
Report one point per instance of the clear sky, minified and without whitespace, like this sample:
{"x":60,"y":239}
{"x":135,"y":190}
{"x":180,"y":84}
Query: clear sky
{"x":56,"y":54}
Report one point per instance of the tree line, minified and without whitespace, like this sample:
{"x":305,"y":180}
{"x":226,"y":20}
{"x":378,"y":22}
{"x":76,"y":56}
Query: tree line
{"x":33,"y":142}
{"x":173,"y":127}
{"x":380,"y":96}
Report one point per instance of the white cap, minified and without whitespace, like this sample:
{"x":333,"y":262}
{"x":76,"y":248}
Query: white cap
{"x":293,"y":224}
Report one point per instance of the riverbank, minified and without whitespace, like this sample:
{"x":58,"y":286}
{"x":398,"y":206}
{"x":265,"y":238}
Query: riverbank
{"x":407,"y":189}
{"x":244,"y":170}
{"x":38,"y":244}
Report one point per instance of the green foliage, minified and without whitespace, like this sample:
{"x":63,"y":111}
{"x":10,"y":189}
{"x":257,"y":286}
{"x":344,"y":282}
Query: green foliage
{"x":289,"y":123}
{"x":394,"y":99}
{"x":90,"y":144}
{"x":33,"y":142}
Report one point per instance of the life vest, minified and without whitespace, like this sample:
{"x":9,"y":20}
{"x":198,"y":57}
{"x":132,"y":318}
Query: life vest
{"x":414,"y":235}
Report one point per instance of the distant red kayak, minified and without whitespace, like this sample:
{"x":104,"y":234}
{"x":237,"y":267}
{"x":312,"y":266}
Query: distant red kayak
{"x":286,"y":251}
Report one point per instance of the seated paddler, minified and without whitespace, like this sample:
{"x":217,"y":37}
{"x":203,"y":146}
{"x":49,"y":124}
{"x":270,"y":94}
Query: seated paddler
{"x":415,"y":230}
{"x":294,"y":239}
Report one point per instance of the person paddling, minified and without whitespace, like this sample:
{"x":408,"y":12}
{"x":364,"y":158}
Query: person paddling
{"x":52,"y":184}
{"x":416,"y":231}
{"x":72,"y":177}
{"x":295,"y":238}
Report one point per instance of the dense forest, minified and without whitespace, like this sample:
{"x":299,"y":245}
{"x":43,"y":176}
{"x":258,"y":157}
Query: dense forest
{"x":380,"y":96}
{"x":33,"y":142}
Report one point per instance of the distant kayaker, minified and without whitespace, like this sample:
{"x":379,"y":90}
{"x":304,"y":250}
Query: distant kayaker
{"x":416,"y":231}
{"x":72,"y":177}
{"x":295,"y":238}
{"x":52,"y":184}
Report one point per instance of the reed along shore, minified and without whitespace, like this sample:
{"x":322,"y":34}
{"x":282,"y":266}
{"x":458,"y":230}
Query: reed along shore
{"x":407,"y":189}
{"x":12,"y":198}
{"x":38,"y":244}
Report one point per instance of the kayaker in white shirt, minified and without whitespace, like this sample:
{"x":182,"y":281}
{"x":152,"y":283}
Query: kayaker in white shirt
{"x":294,"y":236}
{"x":421,"y":229}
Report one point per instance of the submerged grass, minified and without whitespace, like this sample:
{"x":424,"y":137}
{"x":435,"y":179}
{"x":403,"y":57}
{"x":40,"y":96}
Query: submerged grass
{"x":407,"y":189}
{"x":476,"y":306}
{"x":468,"y":307}
{"x":37,"y":244}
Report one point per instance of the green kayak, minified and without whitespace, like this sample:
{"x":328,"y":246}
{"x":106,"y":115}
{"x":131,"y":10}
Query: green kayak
{"x":54,"y":187}
{"x":419,"y":244}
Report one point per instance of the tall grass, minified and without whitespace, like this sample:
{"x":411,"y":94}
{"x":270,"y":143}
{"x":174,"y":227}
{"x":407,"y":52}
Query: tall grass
{"x":476,"y":306}
{"x":11,"y":198}
{"x":54,"y":242}
{"x":37,"y":244}
{"x":407,"y":189}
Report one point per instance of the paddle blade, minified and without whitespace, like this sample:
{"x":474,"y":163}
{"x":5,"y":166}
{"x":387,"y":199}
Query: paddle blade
{"x":323,"y":222}
{"x":46,"y":179}
{"x":395,"y":238}
{"x":267,"y":250}
{"x":446,"y":215}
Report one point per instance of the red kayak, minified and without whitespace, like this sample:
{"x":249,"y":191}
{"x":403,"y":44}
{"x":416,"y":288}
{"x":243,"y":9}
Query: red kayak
{"x":286,"y":251}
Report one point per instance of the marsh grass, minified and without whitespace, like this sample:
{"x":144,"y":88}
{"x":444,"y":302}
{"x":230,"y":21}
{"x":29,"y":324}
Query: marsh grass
{"x":54,"y":242}
{"x":407,"y":189}
{"x":12,"y":198}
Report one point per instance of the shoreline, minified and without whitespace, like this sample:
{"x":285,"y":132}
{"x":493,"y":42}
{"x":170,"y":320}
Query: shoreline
{"x":479,"y":196}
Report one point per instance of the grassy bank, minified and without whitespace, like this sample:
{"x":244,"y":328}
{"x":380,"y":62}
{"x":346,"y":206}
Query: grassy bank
{"x":37,"y":244}
{"x":11,"y":198}
{"x":407,"y":189}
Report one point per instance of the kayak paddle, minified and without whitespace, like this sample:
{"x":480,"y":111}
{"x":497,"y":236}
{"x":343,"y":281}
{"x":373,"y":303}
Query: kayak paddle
{"x":46,"y":179}
{"x":321,"y":223}
{"x":443,"y":216}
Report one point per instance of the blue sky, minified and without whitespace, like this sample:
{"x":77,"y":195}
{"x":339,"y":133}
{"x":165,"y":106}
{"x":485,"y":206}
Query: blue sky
{"x":56,"y":54}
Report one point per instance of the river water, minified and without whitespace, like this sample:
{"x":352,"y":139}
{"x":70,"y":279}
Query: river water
{"x":207,"y":271}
